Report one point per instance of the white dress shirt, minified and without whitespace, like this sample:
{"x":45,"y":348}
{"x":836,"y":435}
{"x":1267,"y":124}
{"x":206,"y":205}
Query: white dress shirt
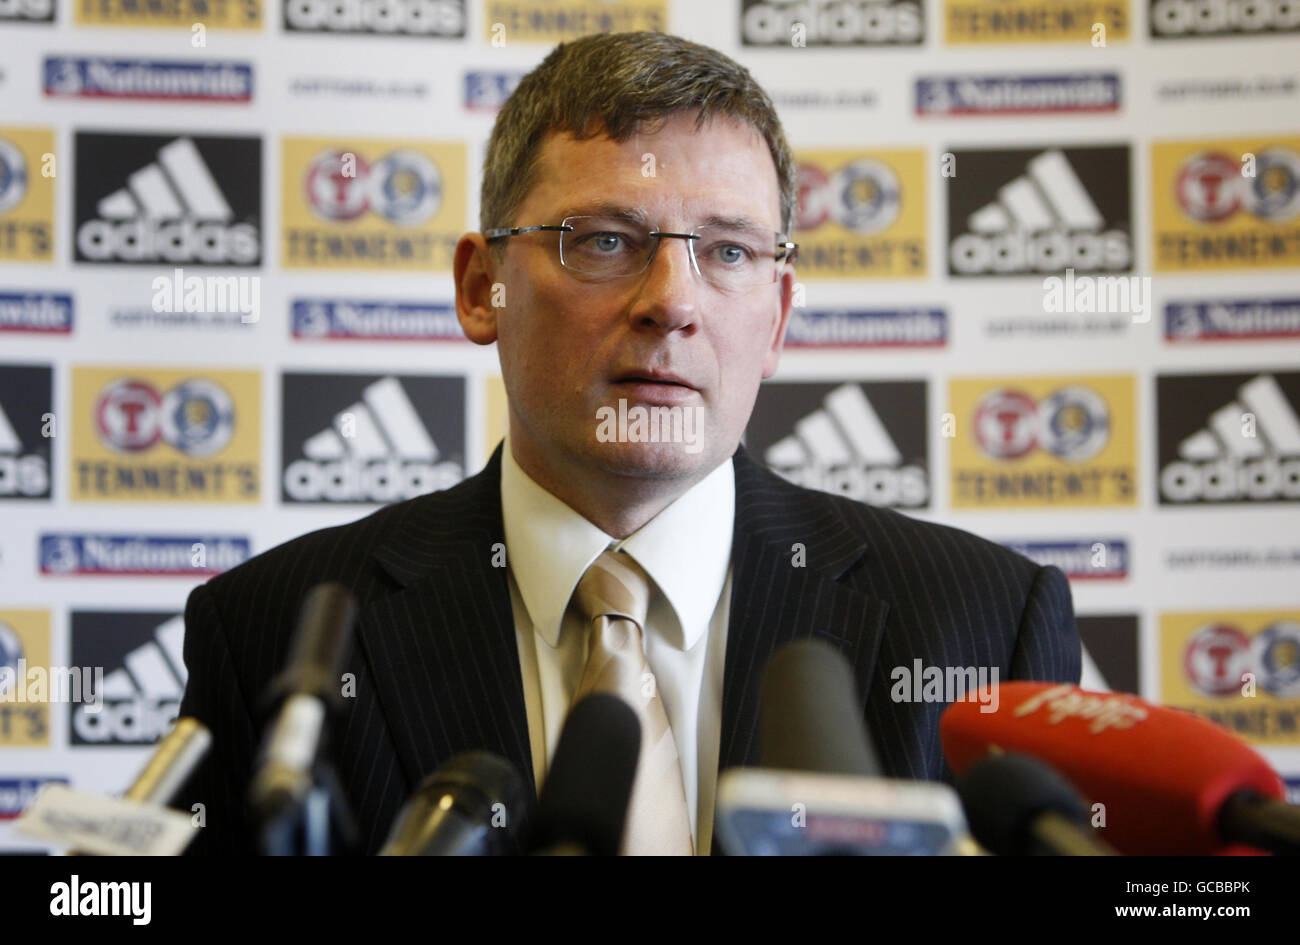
{"x":686,"y":550}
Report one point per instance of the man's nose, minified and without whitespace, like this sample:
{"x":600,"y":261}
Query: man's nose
{"x":667,"y":294}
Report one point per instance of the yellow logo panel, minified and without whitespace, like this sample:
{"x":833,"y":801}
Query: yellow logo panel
{"x":861,"y":215}
{"x":554,"y":21}
{"x":1042,"y":442}
{"x":27,"y":170}
{"x":1226,"y":204}
{"x":1240,"y":669}
{"x":967,"y":22}
{"x":218,"y":15}
{"x":496,"y":414}
{"x":24,"y":708}
{"x":151,"y":435}
{"x":372,"y":204}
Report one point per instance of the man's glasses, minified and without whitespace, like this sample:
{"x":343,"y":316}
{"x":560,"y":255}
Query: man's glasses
{"x":731,"y":259}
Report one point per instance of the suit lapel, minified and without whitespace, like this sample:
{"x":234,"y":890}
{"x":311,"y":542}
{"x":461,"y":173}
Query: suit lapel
{"x":777,"y":598}
{"x":443,"y":647}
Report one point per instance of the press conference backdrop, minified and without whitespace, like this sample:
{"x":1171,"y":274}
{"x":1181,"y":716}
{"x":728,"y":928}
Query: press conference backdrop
{"x":1133,"y":420}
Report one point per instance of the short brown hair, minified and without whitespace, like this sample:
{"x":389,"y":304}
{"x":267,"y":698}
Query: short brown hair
{"x":613,"y":83}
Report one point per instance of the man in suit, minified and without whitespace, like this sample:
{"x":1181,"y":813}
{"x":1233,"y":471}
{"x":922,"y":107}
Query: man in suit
{"x":637,"y":198}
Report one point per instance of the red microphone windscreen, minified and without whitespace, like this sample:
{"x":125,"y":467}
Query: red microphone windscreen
{"x":1162,"y":774}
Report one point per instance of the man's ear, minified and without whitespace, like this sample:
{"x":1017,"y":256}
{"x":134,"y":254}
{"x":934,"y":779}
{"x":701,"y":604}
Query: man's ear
{"x":476,"y":290}
{"x":780,"y":323}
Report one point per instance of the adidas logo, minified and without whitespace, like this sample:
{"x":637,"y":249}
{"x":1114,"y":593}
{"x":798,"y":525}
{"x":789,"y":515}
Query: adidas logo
{"x":376,"y":450}
{"x":1043,"y":221}
{"x":142,"y":698}
{"x":20,"y":475}
{"x":173,"y":211}
{"x":1249,"y":449}
{"x":844,"y":448}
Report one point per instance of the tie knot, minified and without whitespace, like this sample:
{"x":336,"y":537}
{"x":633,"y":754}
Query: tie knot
{"x":614,"y":586}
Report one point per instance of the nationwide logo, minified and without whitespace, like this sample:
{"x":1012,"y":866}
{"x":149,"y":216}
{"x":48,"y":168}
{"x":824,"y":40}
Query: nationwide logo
{"x":17,"y":794}
{"x":1083,"y":560}
{"x":227,"y":15}
{"x":166,"y":435}
{"x":149,"y":199}
{"x":26,"y":195}
{"x":865,"y":441}
{"x":796,"y":23}
{"x":367,"y":438}
{"x":373,"y":204}
{"x":144,"y":676}
{"x":1226,"y":204}
{"x":1096,"y":22}
{"x":1232,"y":319}
{"x":26,"y":430}
{"x":488,"y":91}
{"x":861,"y":215}
{"x":1194,"y":19}
{"x":141,"y":555}
{"x":867,"y":328}
{"x":1065,"y":93}
{"x":46,"y":313}
{"x":427,"y":18}
{"x":26,"y":11}
{"x":1048,"y":441}
{"x":1016,"y":212}
{"x":363,"y":320}
{"x":1229,"y":438}
{"x":1240,"y":670}
{"x":148,"y":79}
{"x":24,"y":643}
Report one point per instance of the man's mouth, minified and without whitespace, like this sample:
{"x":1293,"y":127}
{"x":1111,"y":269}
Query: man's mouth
{"x":661,"y":378}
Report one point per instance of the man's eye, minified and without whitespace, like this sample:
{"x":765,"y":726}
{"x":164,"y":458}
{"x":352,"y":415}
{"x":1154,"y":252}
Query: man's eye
{"x":732,"y":253}
{"x":604,"y":243}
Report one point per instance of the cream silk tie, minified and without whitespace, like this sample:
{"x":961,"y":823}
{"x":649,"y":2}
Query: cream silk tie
{"x":613,"y":597}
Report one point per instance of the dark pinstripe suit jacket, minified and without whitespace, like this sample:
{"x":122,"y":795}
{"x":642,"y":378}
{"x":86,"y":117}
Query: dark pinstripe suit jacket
{"x":437,"y":667}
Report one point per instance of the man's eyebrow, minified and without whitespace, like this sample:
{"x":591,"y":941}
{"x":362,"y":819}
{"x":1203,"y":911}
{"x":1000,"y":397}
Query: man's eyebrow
{"x":639,"y":216}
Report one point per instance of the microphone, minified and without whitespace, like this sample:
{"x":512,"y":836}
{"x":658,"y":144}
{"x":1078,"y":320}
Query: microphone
{"x":472,"y":805}
{"x":287,"y":775}
{"x":1018,"y":806}
{"x":819,"y":791}
{"x":1170,"y":782}
{"x":174,"y":759}
{"x":810,"y":717}
{"x":583,"y":804}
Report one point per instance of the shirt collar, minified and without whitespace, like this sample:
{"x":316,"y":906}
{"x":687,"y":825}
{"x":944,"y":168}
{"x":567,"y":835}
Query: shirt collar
{"x":686,"y":549}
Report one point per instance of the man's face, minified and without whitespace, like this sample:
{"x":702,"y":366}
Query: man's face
{"x":570,"y":347}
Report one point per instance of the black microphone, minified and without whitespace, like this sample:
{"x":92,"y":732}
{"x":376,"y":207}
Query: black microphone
{"x":1019,"y":806}
{"x":473,"y":805}
{"x":811,"y":720}
{"x":583,"y":805}
{"x":306,"y":692}
{"x":820,"y":791}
